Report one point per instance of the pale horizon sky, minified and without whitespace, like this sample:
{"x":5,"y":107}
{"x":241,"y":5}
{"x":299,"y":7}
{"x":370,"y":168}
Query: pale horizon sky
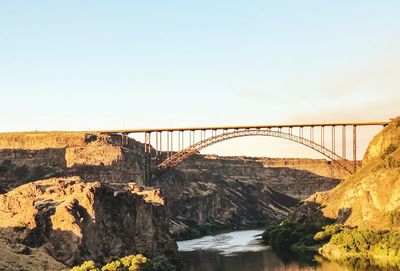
{"x":90,"y":65}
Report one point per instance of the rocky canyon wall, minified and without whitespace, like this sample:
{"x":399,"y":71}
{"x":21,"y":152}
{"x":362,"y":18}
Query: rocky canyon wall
{"x":371,"y":197}
{"x":203,"y":189}
{"x":207,"y":189}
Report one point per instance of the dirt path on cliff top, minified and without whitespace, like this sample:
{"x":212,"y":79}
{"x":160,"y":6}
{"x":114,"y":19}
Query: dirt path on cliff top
{"x":15,"y":257}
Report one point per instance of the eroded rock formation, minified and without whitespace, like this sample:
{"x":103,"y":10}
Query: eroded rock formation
{"x":73,"y":220}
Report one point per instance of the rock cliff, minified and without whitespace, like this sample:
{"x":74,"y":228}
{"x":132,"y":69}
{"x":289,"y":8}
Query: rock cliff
{"x":73,"y":220}
{"x":208,"y":189}
{"x":203,"y":189}
{"x":31,"y":156}
{"x":371,"y":197}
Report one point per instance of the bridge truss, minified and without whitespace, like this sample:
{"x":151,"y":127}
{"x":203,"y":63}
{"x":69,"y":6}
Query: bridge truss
{"x":165,"y":148}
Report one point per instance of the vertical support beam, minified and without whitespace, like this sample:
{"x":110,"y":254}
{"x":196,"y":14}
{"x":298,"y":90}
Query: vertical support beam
{"x":167,"y":144}
{"x":147,"y":157}
{"x":183,"y":139}
{"x":355,"y":147}
{"x":160,"y":142}
{"x":344,"y":142}
{"x":312,"y":133}
{"x":333,"y":139}
{"x":179,"y":140}
{"x":124,"y":139}
{"x":157,"y":143}
{"x":172,"y":143}
{"x":323,"y":136}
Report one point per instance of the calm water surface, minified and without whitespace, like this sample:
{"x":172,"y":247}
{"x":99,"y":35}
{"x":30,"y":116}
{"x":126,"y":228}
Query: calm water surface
{"x":243,"y":251}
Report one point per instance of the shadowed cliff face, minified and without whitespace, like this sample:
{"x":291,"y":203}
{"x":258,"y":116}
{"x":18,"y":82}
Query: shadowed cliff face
{"x":295,"y":177}
{"x":75,"y":221}
{"x":371,"y":197}
{"x":207,"y":189}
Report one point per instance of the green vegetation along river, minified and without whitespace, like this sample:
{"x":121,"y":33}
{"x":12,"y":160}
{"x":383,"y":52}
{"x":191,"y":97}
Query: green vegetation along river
{"x":244,"y":251}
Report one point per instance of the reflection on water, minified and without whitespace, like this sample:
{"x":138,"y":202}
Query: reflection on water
{"x":243,"y":251}
{"x":227,"y":244}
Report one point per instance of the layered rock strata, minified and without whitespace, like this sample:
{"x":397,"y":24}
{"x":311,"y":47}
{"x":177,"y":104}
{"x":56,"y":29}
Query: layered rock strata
{"x":73,"y":220}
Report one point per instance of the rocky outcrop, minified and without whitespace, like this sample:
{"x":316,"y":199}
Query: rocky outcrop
{"x":26,"y":157}
{"x":73,"y":220}
{"x":371,"y":197}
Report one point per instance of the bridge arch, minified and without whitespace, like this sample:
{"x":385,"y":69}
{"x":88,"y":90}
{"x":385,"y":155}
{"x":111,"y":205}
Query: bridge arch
{"x":180,"y":156}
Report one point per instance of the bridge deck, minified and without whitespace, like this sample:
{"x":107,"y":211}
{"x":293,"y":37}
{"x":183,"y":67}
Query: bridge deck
{"x":263,"y":126}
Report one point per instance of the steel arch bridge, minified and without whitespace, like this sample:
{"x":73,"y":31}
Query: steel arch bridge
{"x":178,"y":157}
{"x":162,"y":152}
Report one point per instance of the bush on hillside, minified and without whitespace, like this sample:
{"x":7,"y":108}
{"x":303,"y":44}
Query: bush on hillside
{"x":130,"y":263}
{"x":86,"y":266}
{"x":285,"y":235}
{"x":327,"y":232}
{"x":366,"y":242}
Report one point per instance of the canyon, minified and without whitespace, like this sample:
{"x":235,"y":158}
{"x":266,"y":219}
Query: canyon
{"x":54,"y":185}
{"x":204,"y":189}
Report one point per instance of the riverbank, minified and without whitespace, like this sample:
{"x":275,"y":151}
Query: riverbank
{"x":339,"y":243}
{"x":244,"y":250}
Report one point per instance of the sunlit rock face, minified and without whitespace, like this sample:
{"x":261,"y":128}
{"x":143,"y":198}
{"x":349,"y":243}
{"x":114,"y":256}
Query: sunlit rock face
{"x":73,"y":220}
{"x":371,"y":197}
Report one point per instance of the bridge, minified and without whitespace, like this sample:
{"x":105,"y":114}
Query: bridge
{"x":170,"y":146}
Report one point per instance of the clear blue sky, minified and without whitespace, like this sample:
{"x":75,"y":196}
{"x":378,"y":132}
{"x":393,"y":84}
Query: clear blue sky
{"x":71,"y":65}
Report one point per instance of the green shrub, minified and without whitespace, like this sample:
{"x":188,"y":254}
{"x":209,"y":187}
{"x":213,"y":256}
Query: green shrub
{"x":86,"y":266}
{"x":130,"y":263}
{"x":327,"y":232}
{"x":284,"y":235}
{"x":367,"y":242}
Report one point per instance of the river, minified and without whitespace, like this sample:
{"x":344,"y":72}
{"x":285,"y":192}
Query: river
{"x":243,"y":251}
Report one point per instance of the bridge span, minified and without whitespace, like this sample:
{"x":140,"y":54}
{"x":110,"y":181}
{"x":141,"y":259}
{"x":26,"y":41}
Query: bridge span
{"x":165,"y":148}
